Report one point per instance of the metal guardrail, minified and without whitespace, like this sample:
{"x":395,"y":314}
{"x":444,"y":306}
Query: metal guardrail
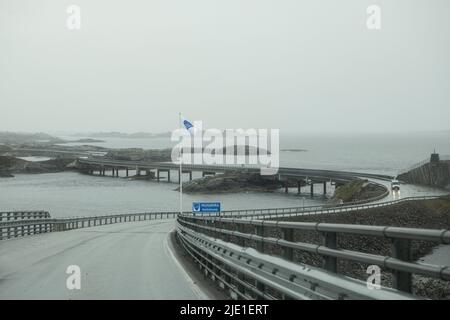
{"x":237,"y":230}
{"x":19,"y":215}
{"x":17,"y":224}
{"x":20,"y":228}
{"x":248,"y":274}
{"x":277,"y":213}
{"x":294,"y":211}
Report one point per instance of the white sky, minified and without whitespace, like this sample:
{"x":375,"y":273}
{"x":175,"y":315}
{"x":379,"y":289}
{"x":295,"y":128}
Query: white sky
{"x":308,"y":65}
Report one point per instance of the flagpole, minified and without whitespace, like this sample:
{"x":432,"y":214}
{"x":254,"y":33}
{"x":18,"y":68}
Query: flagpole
{"x":181,"y":169}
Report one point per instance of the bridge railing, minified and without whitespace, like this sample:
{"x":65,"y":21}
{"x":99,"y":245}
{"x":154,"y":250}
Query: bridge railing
{"x":19,"y":228}
{"x":292,"y":211}
{"x":218,"y":244}
{"x":20,"y":215}
{"x":278,"y":213}
{"x":303,"y":172}
{"x":35,"y":222}
{"x":26,"y":227}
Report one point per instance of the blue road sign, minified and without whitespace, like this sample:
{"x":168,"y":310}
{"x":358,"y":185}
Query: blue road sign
{"x":205,"y":207}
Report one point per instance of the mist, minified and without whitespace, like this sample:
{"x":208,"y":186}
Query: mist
{"x":309,"y":66}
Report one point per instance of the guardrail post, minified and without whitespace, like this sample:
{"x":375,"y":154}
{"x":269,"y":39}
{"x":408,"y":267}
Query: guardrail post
{"x":401,"y":249}
{"x":330,"y":241}
{"x":288,"y":235}
{"x":259,"y":230}
{"x":240,"y":241}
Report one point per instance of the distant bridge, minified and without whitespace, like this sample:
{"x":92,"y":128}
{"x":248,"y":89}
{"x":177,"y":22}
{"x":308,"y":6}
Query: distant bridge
{"x":100,"y":166}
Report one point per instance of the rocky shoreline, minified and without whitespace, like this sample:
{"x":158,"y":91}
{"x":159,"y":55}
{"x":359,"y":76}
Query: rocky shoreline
{"x":11,"y":165}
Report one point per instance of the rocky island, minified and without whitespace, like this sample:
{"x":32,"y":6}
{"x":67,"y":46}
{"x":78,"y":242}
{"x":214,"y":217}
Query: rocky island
{"x":356,"y":190}
{"x":232,"y":183}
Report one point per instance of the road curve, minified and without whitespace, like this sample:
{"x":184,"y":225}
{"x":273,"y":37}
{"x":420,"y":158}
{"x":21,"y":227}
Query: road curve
{"x":408,"y":190}
{"x":120,"y":261}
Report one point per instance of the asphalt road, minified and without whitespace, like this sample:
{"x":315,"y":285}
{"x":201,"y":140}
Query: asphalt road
{"x":409,"y":190}
{"x":120,"y":261}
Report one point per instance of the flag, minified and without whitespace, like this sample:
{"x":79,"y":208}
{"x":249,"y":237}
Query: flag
{"x":189,"y":126}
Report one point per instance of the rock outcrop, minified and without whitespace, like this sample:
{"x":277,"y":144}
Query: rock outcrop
{"x":137,"y":154}
{"x":232,"y":182}
{"x":356,"y":190}
{"x":10,"y":165}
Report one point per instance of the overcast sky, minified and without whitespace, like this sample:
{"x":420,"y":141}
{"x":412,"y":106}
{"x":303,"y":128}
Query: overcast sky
{"x":295,"y":65}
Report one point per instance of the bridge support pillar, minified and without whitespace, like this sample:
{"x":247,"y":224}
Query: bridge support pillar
{"x":117,"y":172}
{"x":126,"y":171}
{"x":312,"y":189}
{"x":299,"y":187}
{"x":401,"y":249}
{"x":325,"y":188}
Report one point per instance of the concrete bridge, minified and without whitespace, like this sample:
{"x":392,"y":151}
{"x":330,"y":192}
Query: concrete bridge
{"x":301,"y":177}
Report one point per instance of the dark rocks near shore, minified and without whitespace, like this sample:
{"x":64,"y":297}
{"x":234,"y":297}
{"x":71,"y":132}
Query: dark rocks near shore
{"x":138,"y":154}
{"x":356,"y":190}
{"x":232,"y":183}
{"x":10,"y":165}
